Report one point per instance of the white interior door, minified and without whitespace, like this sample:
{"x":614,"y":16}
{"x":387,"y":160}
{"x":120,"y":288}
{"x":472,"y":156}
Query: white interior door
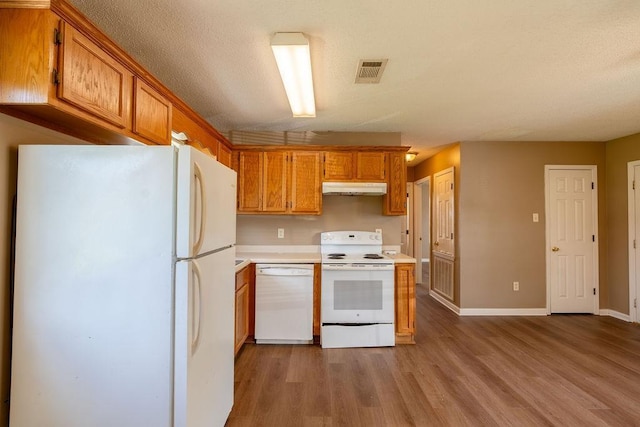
{"x":572,"y":261}
{"x":443,"y":218}
{"x":634,"y":239}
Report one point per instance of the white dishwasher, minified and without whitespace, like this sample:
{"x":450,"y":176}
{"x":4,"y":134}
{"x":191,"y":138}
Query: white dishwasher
{"x":284,"y":304}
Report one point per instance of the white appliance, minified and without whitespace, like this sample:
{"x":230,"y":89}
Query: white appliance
{"x":357,"y":307}
{"x":354,"y":188}
{"x":284,"y":304}
{"x":124,"y":287}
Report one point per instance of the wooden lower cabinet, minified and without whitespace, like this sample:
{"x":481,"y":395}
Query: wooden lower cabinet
{"x":244,"y":309}
{"x":405,"y":293}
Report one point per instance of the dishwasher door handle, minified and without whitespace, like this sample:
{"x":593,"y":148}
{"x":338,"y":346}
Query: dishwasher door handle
{"x":279,"y":271}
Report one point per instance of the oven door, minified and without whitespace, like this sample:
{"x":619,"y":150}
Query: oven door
{"x":357,"y":294}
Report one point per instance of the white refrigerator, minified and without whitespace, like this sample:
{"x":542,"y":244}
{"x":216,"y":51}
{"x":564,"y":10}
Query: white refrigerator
{"x":124,"y":287}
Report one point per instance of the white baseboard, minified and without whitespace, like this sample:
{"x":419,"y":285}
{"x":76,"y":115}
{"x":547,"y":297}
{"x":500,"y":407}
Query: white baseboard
{"x":511,"y":311}
{"x":503,"y":312}
{"x":451,"y":306}
{"x":616,"y":314}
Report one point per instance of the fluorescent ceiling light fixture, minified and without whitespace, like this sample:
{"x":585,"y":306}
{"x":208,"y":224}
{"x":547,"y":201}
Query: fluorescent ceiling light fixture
{"x":294,"y":62}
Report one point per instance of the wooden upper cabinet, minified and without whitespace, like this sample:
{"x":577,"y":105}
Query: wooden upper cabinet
{"x":306,"y":192}
{"x":364,"y":166}
{"x":249,"y":182}
{"x":370,"y":166}
{"x":27,"y":55}
{"x":339,"y":166}
{"x":395,"y":201}
{"x":92,"y":80}
{"x":60,"y":71}
{"x":224,"y":154}
{"x":274,"y":197}
{"x":279,"y":182}
{"x":151,"y":114}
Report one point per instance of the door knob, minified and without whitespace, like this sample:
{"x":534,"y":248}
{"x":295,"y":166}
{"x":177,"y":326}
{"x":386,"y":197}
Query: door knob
{"x":436,"y":244}
{"x":555,"y":249}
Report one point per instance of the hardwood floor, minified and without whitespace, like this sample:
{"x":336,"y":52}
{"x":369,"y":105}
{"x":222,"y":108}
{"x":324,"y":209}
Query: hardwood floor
{"x":561,"y":370}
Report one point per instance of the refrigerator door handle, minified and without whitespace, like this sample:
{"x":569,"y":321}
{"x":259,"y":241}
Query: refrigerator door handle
{"x":197,"y":172}
{"x":197,"y":309}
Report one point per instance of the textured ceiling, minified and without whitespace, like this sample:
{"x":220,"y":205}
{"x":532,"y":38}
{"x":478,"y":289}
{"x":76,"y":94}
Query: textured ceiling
{"x":459,"y":70}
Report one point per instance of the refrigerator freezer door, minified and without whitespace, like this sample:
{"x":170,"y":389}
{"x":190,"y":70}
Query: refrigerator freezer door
{"x":205,"y":297}
{"x":93,"y":316}
{"x":206,"y":208}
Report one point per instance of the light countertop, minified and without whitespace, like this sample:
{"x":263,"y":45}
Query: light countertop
{"x":291,"y":255}
{"x":402,"y":258}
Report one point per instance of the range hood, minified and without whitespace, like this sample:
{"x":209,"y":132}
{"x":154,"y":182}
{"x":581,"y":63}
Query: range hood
{"x":354,"y":188}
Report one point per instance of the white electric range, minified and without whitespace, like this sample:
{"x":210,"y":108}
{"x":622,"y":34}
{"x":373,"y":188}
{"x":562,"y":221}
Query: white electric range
{"x":357,"y":307}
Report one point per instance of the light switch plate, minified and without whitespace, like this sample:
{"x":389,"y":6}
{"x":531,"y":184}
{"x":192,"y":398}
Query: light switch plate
{"x":536,"y":218}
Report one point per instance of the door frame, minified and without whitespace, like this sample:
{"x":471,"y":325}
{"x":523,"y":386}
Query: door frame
{"x":633,"y":289}
{"x":594,"y":209}
{"x":418,"y":228}
{"x":409,"y":222}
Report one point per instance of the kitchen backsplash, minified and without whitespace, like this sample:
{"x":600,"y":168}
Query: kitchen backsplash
{"x":360,"y":213}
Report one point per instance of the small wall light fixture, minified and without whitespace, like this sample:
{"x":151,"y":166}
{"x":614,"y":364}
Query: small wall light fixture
{"x":411,"y":156}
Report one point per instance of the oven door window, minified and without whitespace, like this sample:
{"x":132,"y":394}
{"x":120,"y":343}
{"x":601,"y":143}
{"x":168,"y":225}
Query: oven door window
{"x":362,"y":296}
{"x":357,"y":295}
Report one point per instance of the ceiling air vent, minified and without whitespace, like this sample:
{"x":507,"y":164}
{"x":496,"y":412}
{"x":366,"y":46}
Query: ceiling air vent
{"x":370,"y":70}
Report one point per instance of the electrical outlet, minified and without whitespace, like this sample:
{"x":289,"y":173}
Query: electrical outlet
{"x":536,"y":218}
{"x":516,"y":286}
{"x":280,"y":233}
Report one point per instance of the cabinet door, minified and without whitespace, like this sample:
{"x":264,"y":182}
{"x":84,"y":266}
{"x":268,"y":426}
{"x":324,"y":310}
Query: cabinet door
{"x":274,"y":188}
{"x":151,"y":114}
{"x":338,"y":166}
{"x":305,"y":183}
{"x":370,"y":166}
{"x":242,"y":316}
{"x":249,"y":181}
{"x":405,"y":303}
{"x":93,"y":81}
{"x":395,"y":201}
{"x":224,"y":154}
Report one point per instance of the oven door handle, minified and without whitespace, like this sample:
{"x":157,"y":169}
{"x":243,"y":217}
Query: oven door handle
{"x":343,"y":267}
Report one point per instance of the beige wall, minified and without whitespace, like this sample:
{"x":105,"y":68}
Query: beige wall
{"x":338,"y":213}
{"x":619,"y":153}
{"x":448,"y":157}
{"x":12,"y":133}
{"x":501,"y":186}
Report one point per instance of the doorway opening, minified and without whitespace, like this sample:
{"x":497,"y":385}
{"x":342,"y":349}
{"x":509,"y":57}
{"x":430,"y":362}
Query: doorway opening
{"x":422,"y":230}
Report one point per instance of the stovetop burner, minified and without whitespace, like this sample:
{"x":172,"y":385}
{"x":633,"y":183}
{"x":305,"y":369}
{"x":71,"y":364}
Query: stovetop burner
{"x":373,"y":256}
{"x":336,"y":256}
